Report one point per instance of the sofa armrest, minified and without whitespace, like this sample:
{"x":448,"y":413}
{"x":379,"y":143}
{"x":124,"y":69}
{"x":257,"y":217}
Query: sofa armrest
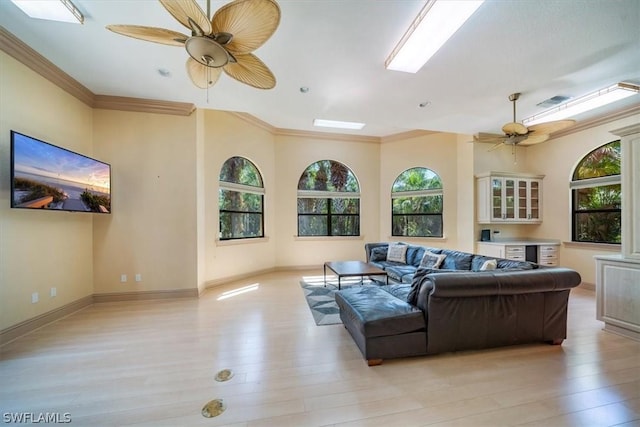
{"x":368,"y":247}
{"x":471,"y":284}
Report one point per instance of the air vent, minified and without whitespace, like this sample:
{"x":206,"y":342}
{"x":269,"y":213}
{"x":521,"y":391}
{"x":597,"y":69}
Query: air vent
{"x":552,"y":102}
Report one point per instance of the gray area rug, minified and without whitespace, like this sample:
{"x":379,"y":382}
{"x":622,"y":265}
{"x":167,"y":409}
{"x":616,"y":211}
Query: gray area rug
{"x":321,"y":299}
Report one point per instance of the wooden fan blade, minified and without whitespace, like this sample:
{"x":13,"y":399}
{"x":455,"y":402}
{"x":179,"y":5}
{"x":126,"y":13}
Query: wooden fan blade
{"x":202,"y":76}
{"x":251,"y":22}
{"x":150,"y":34}
{"x":551,"y":127}
{"x":534,"y":139}
{"x":491,"y":138}
{"x":249,"y":69}
{"x":183,"y":10}
{"x":496,"y":146}
{"x":515,"y":128}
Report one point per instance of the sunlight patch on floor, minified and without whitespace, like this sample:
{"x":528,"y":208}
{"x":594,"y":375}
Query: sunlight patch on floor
{"x":239,"y":291}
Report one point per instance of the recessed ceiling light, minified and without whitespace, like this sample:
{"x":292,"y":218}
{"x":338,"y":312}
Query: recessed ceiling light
{"x":337,"y":124}
{"x":164,"y":72}
{"x":304,"y":89}
{"x":424,"y":104}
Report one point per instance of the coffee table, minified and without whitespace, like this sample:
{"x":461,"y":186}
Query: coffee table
{"x":352,"y":269}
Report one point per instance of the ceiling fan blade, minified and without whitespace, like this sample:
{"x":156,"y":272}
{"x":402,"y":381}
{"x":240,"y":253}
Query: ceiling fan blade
{"x":496,"y":146}
{"x":185,"y":10}
{"x":202,"y":76}
{"x":251,"y":22}
{"x":490,"y":138}
{"x":514,"y":128}
{"x":249,"y":69}
{"x":534,"y":139}
{"x":551,"y":127}
{"x":150,"y":34}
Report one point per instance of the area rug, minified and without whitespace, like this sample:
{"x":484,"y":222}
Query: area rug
{"x":321,"y":299}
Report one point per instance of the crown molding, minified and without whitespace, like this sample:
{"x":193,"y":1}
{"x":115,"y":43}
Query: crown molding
{"x":327,"y":135}
{"x":254,"y":121}
{"x":599,"y":120}
{"x":143,"y":105}
{"x":26,"y":55}
{"x":407,"y":135}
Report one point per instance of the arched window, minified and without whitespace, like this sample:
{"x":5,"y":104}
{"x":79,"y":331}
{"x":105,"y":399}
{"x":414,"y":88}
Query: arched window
{"x":595,"y":194}
{"x":328,"y":200}
{"x":241,"y":200}
{"x":416,"y":204}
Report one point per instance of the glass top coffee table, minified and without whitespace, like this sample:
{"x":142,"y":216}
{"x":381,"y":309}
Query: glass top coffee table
{"x":352,"y":269}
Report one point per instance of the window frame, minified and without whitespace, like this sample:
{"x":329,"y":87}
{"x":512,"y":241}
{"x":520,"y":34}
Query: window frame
{"x":329,"y":196}
{"x":428,"y":192}
{"x":241,"y":189}
{"x":596,"y":182}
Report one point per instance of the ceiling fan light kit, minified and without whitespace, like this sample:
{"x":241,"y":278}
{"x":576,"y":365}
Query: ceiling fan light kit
{"x":585,"y":103}
{"x":223,"y":43}
{"x":435,"y":24}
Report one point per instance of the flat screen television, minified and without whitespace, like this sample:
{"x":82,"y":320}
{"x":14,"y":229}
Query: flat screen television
{"x":44,"y":176}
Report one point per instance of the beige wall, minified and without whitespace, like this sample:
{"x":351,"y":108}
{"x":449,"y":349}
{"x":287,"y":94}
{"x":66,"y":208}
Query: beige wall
{"x":293,"y":155}
{"x":227,"y":135}
{"x":153,"y":226}
{"x":446,"y":156}
{"x":40,"y":250}
{"x":557,"y":159}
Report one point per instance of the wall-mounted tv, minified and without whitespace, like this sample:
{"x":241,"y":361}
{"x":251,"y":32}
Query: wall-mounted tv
{"x":44,"y":176}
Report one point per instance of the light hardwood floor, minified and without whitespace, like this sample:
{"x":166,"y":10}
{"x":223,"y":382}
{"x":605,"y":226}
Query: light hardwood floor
{"x":152,"y":363}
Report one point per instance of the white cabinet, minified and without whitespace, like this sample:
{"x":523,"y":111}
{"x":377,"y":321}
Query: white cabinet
{"x":509,"y":198}
{"x":548,"y":255}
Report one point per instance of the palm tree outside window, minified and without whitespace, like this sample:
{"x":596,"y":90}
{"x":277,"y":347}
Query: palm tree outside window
{"x":240,"y":200}
{"x":596,"y":196}
{"x":328,"y":200}
{"x":416,"y":204}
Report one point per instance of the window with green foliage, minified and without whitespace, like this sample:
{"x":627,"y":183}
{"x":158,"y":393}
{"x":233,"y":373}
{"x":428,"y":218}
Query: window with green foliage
{"x":241,"y":200}
{"x":416,"y":204}
{"x":328,"y":200}
{"x":595,"y":191}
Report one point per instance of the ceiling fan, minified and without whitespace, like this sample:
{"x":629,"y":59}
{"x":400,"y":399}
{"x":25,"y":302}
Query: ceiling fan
{"x":518,"y":134}
{"x":224,"y":43}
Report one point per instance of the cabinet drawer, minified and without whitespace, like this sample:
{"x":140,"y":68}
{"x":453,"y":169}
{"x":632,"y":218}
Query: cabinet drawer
{"x":514,"y":250}
{"x":516,"y":257}
{"x":544,"y":248}
{"x":549,"y":262}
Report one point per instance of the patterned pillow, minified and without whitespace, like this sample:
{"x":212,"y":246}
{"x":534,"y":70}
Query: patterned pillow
{"x":378,"y":254}
{"x":431,"y":260}
{"x":397,"y":253}
{"x":489,"y":264}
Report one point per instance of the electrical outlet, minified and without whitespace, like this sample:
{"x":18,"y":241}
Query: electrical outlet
{"x":123,"y":278}
{"x":34,"y":298}
{"x":53,"y":293}
{"x":138,"y":277}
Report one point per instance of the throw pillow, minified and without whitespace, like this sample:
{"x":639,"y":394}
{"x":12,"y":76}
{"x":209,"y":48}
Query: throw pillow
{"x":378,"y":254}
{"x":431,"y":260}
{"x":489,"y":264}
{"x":397,"y":253}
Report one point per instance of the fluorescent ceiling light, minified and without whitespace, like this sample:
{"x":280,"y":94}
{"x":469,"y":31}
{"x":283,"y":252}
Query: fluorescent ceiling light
{"x":435,"y":24}
{"x":337,"y":124}
{"x":588,"y":102}
{"x":53,"y":10}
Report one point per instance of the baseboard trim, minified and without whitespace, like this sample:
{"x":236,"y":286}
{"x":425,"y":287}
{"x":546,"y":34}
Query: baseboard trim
{"x":145,"y":295}
{"x":16,"y":331}
{"x":588,"y":286}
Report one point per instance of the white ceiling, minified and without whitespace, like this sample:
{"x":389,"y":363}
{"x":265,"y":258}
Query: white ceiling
{"x":337,"y":48}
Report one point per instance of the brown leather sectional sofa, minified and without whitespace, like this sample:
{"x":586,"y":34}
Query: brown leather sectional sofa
{"x":453,"y":309}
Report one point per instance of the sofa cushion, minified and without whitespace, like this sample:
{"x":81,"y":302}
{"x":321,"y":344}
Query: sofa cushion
{"x":376,"y":313}
{"x":398,"y":271}
{"x":397,"y":252}
{"x":508,"y":264}
{"x":456,"y":260}
{"x":478,"y":261}
{"x":489,"y":264}
{"x":378,"y":254}
{"x":414,"y":255}
{"x":431,"y":260}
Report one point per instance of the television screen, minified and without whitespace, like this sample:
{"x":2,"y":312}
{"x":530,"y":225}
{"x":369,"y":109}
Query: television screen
{"x":44,"y":176}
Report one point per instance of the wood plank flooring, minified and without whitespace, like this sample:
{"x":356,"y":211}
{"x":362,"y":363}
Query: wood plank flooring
{"x":152,"y":363}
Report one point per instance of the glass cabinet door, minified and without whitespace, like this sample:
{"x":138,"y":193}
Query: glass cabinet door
{"x":534,"y":200}
{"x":509,"y":199}
{"x":523,"y":198}
{"x":496,"y":198}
